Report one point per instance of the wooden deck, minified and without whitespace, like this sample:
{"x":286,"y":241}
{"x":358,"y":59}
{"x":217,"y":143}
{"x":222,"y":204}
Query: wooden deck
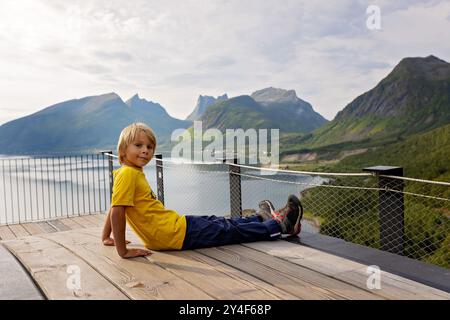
{"x":51,"y":251}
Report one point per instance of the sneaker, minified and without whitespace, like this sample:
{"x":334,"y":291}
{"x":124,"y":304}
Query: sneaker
{"x":266,"y":210}
{"x":289,"y":216}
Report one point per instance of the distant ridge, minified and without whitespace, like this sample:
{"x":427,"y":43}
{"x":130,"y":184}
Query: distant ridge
{"x":269,"y":108}
{"x":89,"y":123}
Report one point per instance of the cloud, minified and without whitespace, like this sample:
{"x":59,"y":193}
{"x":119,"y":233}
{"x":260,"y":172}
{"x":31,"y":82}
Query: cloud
{"x":90,"y":68}
{"x":119,"y":55}
{"x":172,"y":51}
{"x":215,"y":62}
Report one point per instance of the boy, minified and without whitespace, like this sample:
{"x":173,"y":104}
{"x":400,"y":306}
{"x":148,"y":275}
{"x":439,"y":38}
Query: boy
{"x":134,"y":202}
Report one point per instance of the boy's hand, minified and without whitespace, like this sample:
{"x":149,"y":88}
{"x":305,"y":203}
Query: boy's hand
{"x":110,"y":242}
{"x":132,"y":253}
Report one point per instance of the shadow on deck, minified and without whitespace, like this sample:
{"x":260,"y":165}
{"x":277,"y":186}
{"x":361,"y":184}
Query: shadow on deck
{"x":63,"y":259}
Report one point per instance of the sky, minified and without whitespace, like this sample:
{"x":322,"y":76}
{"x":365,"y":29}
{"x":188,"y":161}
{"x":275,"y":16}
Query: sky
{"x":172,"y":51}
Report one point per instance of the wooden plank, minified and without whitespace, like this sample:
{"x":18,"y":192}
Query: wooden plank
{"x":241,"y":276}
{"x":58,"y":225}
{"x":72,"y":224}
{"x":216,"y":278}
{"x":218,"y":284}
{"x":84,"y":222}
{"x":48,"y":263}
{"x":15,"y":284}
{"x":18,"y":230}
{"x":287,"y":283}
{"x":315,"y":279}
{"x":94,"y":220}
{"x":392,"y":286}
{"x":398,"y":287}
{"x":32,"y":228}
{"x":301,"y":282}
{"x":138,"y":278}
{"x":233,"y":272}
{"x":47,"y":228}
{"x":100,"y":217}
{"x":314,"y":259}
{"x":6,"y":233}
{"x":221,"y":267}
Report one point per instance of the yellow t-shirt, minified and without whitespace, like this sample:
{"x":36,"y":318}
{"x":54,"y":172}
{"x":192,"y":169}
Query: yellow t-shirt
{"x":158,"y":227}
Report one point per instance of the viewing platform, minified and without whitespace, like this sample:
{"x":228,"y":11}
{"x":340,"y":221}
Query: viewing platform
{"x":42,"y":260}
{"x":365,"y":235}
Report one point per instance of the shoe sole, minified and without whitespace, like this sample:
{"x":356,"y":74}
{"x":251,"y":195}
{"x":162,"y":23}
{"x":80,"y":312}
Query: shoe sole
{"x":270,"y":213}
{"x":297,"y":202}
{"x":271,"y":207}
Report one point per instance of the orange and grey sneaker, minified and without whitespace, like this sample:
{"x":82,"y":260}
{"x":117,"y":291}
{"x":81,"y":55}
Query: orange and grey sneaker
{"x":289,"y":216}
{"x":266,"y":210}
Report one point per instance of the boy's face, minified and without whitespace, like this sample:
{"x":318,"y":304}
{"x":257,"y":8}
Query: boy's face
{"x":139,"y":152}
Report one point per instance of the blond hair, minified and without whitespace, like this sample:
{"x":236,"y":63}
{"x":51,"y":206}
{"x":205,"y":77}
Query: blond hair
{"x":129,"y":134}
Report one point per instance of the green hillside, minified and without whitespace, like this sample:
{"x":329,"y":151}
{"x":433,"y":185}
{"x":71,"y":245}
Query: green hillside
{"x":239,"y":112}
{"x":353,"y":213}
{"x":425,"y":156}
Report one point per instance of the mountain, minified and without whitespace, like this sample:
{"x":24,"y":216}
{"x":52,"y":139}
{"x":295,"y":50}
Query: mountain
{"x":284,"y":107}
{"x":267,"y":108}
{"x":204,"y":102}
{"x":413,"y":98}
{"x":238,"y":112}
{"x":84,"y":124}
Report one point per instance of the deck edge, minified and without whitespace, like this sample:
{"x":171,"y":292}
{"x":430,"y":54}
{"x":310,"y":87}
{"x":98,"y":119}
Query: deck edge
{"x":419,"y":271}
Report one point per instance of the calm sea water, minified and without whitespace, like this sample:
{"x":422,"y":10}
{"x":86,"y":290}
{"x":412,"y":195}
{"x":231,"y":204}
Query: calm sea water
{"x":43,"y":188}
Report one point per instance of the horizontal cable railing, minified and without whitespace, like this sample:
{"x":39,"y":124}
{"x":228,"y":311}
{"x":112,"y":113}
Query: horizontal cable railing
{"x":405,"y":216}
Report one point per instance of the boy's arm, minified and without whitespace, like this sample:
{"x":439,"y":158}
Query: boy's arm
{"x":106,"y":234}
{"x":118,"y":224}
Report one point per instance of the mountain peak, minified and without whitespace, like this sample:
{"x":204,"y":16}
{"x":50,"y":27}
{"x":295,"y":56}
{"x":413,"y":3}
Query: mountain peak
{"x":431,"y":59}
{"x":274,"y":95}
{"x":203,"y":102}
{"x":107,"y":96}
{"x":430,"y":68}
{"x":135,"y":100}
{"x":203,"y":98}
{"x":95,"y":101}
{"x":136,"y":96}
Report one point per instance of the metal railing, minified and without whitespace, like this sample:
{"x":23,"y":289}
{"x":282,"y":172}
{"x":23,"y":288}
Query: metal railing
{"x":43,"y":188}
{"x":378,"y":208}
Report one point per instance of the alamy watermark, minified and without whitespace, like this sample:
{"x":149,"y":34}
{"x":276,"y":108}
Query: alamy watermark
{"x":73,"y":282}
{"x":373,"y":21}
{"x":374,"y":279}
{"x":190,"y":145}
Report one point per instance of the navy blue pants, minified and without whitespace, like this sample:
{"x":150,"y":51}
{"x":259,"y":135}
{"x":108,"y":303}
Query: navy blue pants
{"x":211,"y":231}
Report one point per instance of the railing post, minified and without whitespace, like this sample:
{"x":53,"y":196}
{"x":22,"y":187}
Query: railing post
{"x":391,"y":208}
{"x":235,"y":188}
{"x":160,"y":177}
{"x":110,"y":170}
